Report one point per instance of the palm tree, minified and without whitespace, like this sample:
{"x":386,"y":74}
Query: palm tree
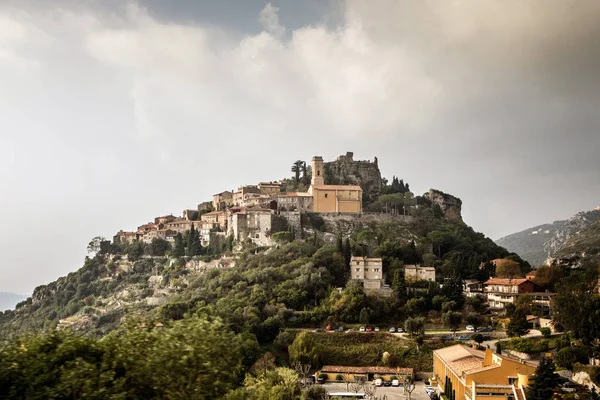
{"x":296,"y":169}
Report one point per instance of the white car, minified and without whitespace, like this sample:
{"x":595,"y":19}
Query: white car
{"x":429,"y":389}
{"x":393,"y":330}
{"x":470,"y":328}
{"x":378,"y":382}
{"x":376,"y":329}
{"x":395,"y":382}
{"x":362,"y":328}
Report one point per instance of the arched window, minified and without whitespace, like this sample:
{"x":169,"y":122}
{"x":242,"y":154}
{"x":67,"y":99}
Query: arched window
{"x":318,"y":172}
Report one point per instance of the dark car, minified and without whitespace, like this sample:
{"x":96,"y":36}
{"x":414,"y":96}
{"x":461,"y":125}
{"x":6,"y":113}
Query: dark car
{"x":462,"y":337}
{"x":320,"y":380}
{"x":485,"y":329}
{"x":319,"y":330}
{"x":310,"y":380}
{"x":434,"y":396}
{"x":387,"y":383}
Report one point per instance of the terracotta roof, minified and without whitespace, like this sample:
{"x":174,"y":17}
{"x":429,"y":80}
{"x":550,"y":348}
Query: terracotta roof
{"x":336,"y":187}
{"x":342,"y":369}
{"x":506,"y":282}
{"x":461,"y":359}
{"x":372,"y":259}
{"x":531,"y":273}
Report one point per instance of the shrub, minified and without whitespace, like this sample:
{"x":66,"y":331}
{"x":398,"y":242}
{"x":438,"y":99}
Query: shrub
{"x":568,"y":356}
{"x":323,"y":376}
{"x":546,"y":332}
{"x":339,"y":377}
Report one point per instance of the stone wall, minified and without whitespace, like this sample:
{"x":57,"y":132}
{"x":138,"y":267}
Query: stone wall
{"x":349,"y":223}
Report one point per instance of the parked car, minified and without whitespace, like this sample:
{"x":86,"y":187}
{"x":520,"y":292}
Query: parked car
{"x":399,"y":330}
{"x":429,"y":389}
{"x":393,"y":330}
{"x":426,"y":382}
{"x":449,"y":337}
{"x":470,"y":328}
{"x":387,"y":383}
{"x":462,"y":337}
{"x":486,"y":337}
{"x":378,"y":382}
{"x":310,"y":380}
{"x":368,"y":329}
{"x":396,"y":382}
{"x":362,"y":329}
{"x":350,"y":330}
{"x":569,"y":387}
{"x":319,"y":330}
{"x":434,"y":396}
{"x":376,"y":329}
{"x":340,"y":329}
{"x":329,"y":328}
{"x":320,"y":380}
{"x":485,"y":329}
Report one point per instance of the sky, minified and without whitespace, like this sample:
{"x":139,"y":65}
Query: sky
{"x":113,"y":112}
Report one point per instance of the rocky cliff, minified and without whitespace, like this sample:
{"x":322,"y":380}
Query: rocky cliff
{"x":451,"y":206}
{"x":539,"y":243}
{"x":345,"y":171}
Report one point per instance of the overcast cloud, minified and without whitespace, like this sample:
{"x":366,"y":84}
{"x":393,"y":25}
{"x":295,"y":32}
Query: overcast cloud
{"x":112,"y":113}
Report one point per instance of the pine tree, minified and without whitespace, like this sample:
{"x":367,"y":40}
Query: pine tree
{"x":543,"y":382}
{"x":399,"y":285}
{"x":179,"y":248}
{"x":518,"y":323}
{"x":340,"y":245}
{"x":190,"y":241}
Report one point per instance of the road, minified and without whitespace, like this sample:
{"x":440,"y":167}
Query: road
{"x":392,"y":393}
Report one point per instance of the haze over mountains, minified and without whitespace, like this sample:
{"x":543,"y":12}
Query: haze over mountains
{"x":540,"y":242}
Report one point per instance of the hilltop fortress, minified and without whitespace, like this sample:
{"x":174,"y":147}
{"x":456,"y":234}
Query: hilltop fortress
{"x":248,"y":213}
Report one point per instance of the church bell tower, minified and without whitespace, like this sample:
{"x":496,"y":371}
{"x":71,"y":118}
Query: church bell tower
{"x":317,"y":171}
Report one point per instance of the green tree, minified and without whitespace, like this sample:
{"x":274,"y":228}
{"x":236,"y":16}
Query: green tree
{"x":517,"y":326}
{"x":135,"y":251}
{"x":452,"y":320}
{"x":304,"y":350}
{"x":159,"y":247}
{"x":541,"y":386}
{"x":508,"y":269}
{"x":277,"y":384}
{"x":365,"y":315}
{"x":179,"y":248}
{"x":194,"y":247}
{"x":297,"y":169}
{"x":568,"y":356}
{"x":474,"y":319}
{"x":282,"y":237}
{"x":347,"y":252}
{"x":414,"y":326}
{"x":399,"y":286}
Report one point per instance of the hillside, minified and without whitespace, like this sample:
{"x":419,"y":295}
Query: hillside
{"x":583,"y":245}
{"x":536,"y":244}
{"x":260,"y":289}
{"x":9,"y":300}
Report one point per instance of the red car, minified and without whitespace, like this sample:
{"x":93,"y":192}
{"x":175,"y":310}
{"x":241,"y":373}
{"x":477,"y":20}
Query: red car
{"x":328,"y":328}
{"x":368,"y":329}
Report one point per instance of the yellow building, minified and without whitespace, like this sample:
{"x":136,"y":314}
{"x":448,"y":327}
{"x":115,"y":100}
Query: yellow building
{"x":480,"y":375}
{"x":333,"y":198}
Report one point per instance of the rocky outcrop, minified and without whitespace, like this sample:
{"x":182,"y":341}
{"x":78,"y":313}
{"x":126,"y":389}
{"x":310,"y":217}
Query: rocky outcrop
{"x":451,"y":206}
{"x":345,"y":171}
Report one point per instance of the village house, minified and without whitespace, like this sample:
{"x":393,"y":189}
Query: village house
{"x":164,"y":219}
{"x":142,"y":229}
{"x":216,"y":217}
{"x":365,"y":373}
{"x":125,"y":237}
{"x":206,"y":206}
{"x":295,"y":201}
{"x":369,"y":271}
{"x":469,"y":374}
{"x":418,"y":273}
{"x":252,"y":224}
{"x":502,"y":291}
{"x":332,"y":198}
{"x":531,"y":275}
{"x":269,"y":188}
{"x":244,"y":192}
{"x":191,"y":215}
{"x":472,"y":287}
{"x":222,"y":201}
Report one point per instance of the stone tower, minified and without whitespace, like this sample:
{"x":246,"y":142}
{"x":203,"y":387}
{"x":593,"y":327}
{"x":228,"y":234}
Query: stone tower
{"x":317,"y":171}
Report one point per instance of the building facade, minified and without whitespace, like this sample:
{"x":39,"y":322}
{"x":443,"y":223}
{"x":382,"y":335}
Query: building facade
{"x":223,"y":200}
{"x":469,"y":374}
{"x":295,"y":201}
{"x":332,"y":198}
{"x":418,"y":273}
{"x":501,"y":291}
{"x":251,"y":224}
{"x":369,"y":271}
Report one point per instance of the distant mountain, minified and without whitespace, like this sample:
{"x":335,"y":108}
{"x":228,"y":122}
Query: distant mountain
{"x":585,"y":244}
{"x":8,"y":301}
{"x":539,"y":243}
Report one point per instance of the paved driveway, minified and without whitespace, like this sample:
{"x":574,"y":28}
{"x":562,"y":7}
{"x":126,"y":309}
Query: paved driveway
{"x":392,"y":393}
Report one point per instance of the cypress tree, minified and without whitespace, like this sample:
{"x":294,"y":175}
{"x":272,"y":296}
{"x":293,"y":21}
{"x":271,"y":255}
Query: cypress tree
{"x":179,"y":248}
{"x":543,"y":382}
{"x":518,"y":323}
{"x":347,"y":252}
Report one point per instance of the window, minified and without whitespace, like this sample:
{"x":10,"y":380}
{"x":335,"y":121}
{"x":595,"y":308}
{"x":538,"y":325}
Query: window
{"x":325,"y":195}
{"x":366,"y":269}
{"x":318,"y":172}
{"x":512,"y":380}
{"x":357,"y":269}
{"x":376,"y":269}
{"x":358,"y":263}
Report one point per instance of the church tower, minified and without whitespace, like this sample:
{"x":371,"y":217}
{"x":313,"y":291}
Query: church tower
{"x":317,"y":171}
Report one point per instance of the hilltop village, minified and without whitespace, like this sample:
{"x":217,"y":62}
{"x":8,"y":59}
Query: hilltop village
{"x":247,"y":214}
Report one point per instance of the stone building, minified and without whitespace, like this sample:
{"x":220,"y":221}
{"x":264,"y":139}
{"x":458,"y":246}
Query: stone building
{"x":190,"y":215}
{"x":269,"y":188}
{"x":252,"y":224}
{"x":295,"y":201}
{"x":223,"y":200}
{"x":243,"y":193}
{"x":369,"y":271}
{"x":333,"y":198}
{"x":164,"y":219}
{"x":125,"y":237}
{"x":418,"y":273}
{"x":347,"y":171}
{"x":206,"y":206}
{"x":216,"y":217}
